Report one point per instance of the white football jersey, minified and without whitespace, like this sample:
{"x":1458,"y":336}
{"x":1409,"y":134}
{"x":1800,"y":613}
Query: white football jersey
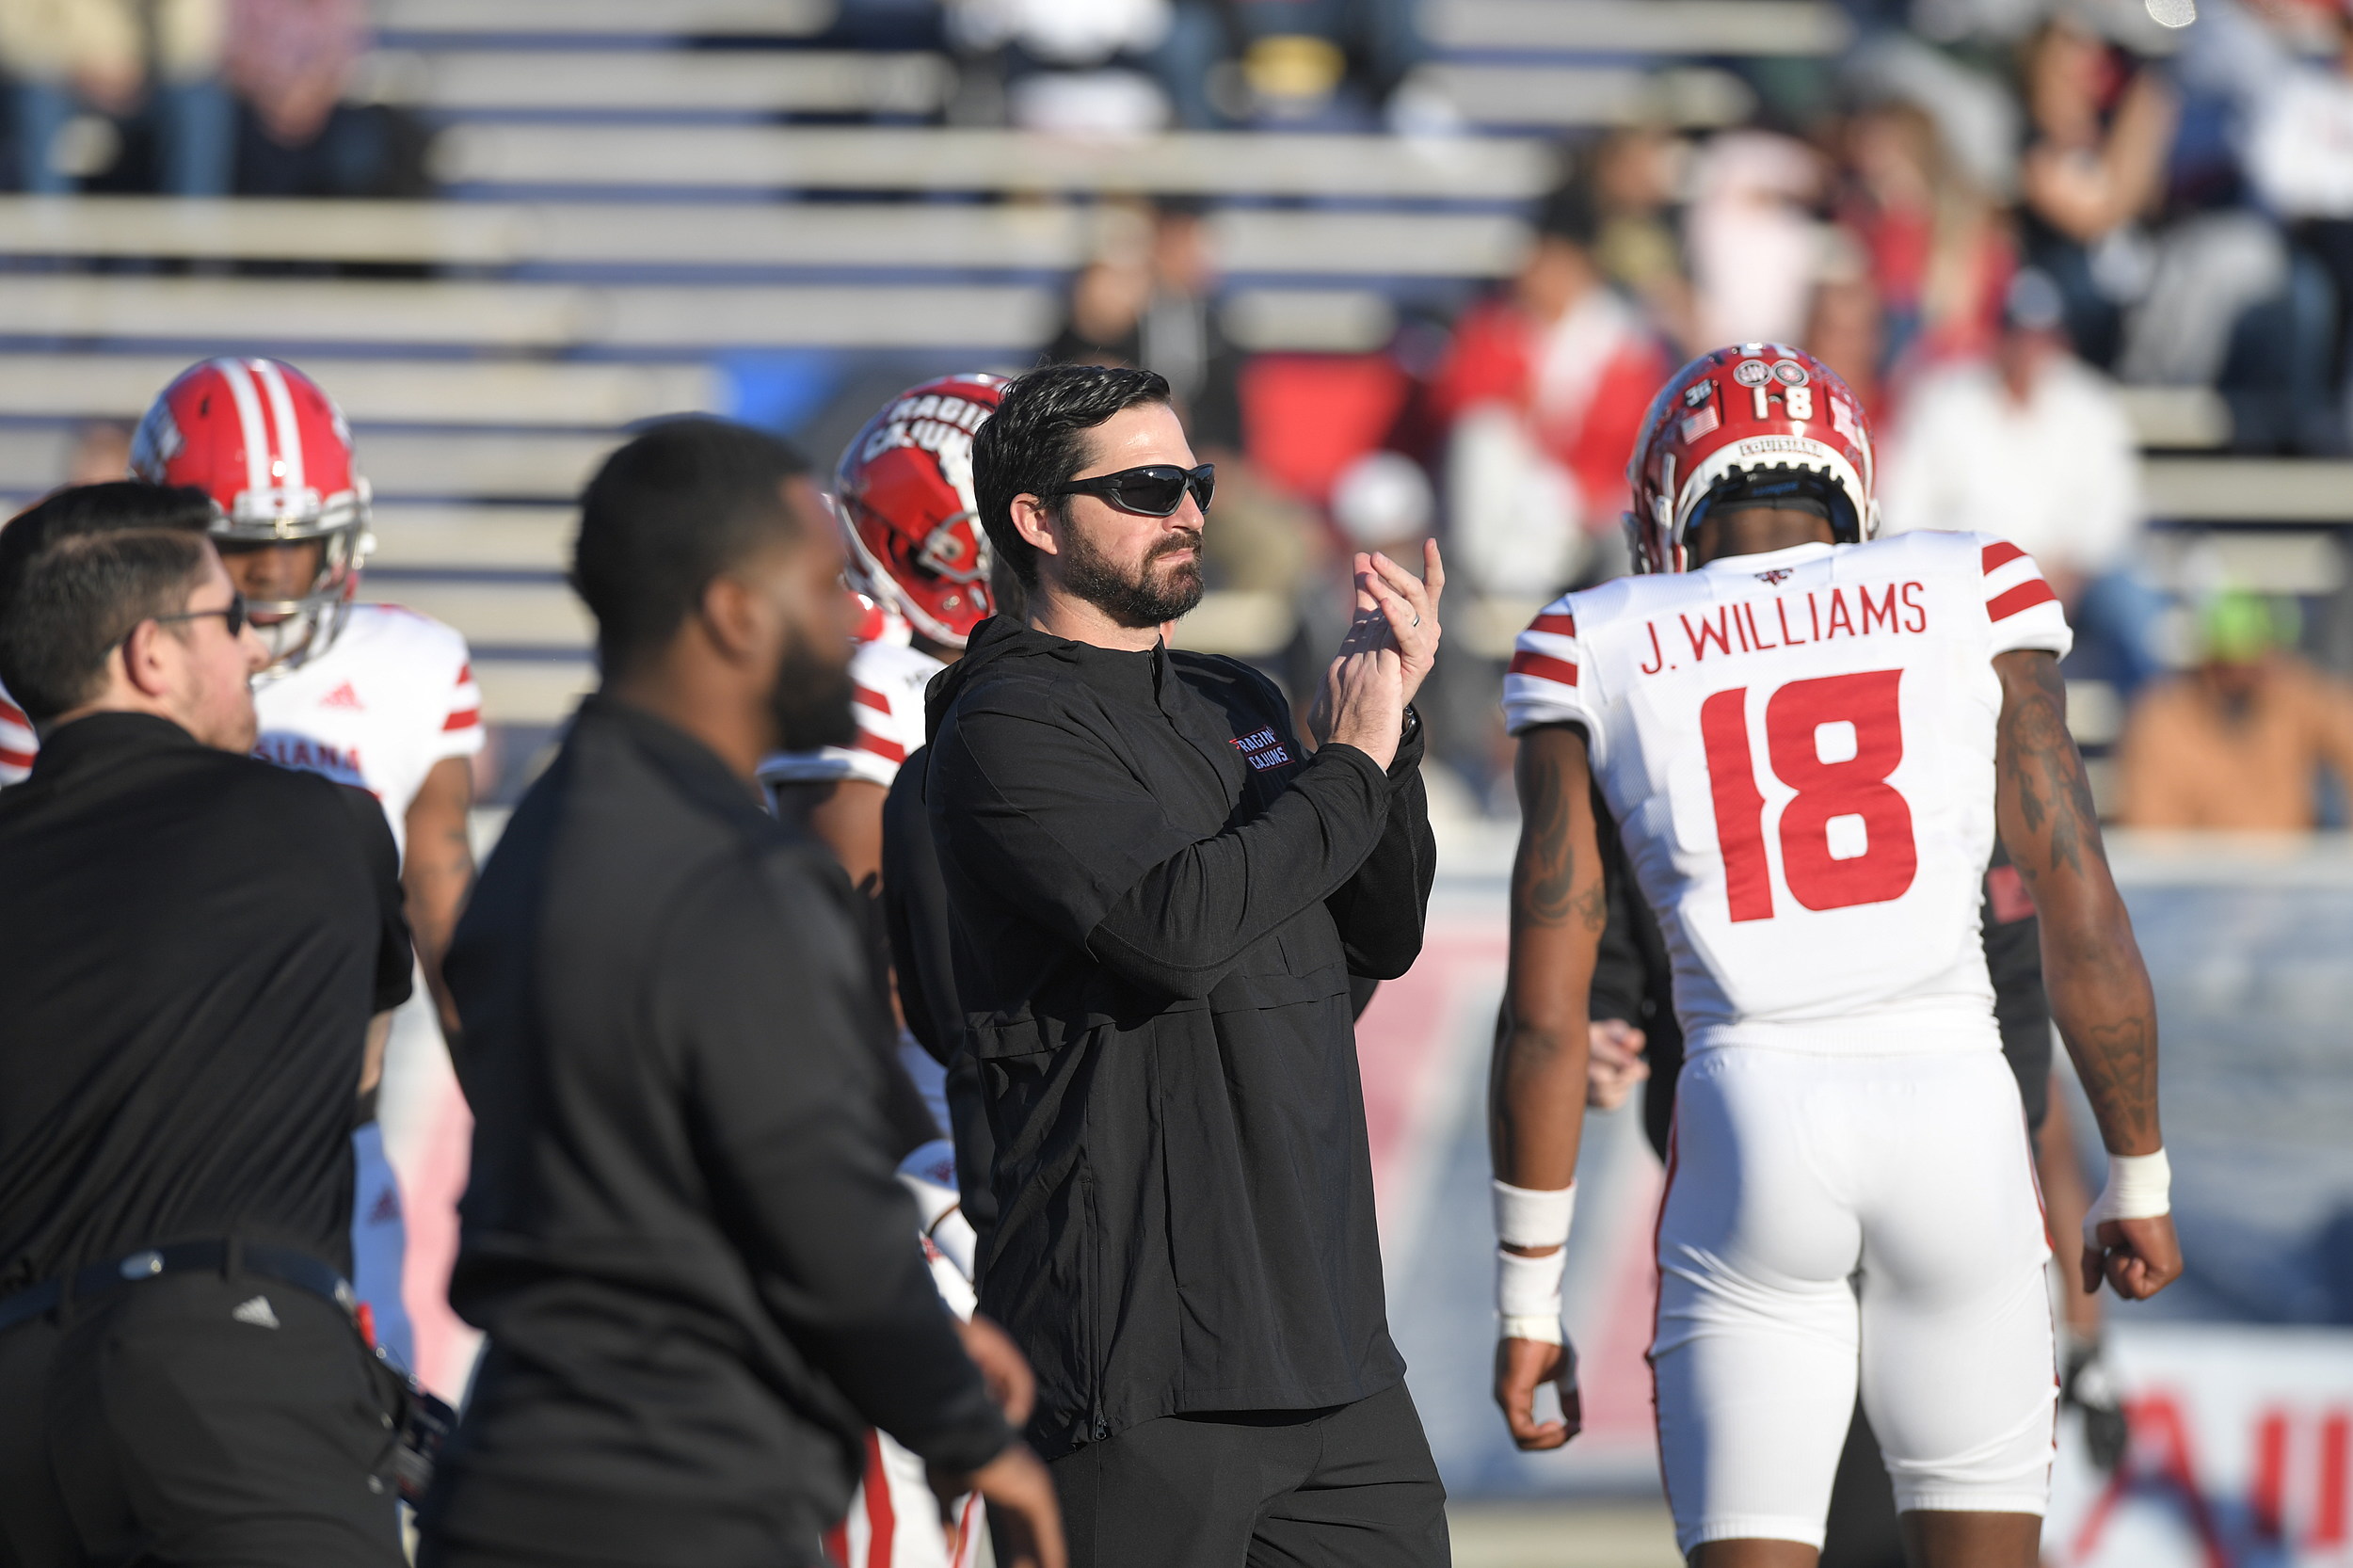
{"x":1798,"y":748}
{"x":888,"y":680}
{"x":17,"y":741}
{"x":394,"y":695}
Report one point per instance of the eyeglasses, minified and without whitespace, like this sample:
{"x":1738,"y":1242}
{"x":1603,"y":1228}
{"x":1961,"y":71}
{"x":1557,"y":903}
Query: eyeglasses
{"x":1155,"y":490}
{"x":232,"y":614}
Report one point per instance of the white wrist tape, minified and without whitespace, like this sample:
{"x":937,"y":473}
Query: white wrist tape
{"x":2140,"y":1187}
{"x":1528,"y":1294}
{"x":1529,"y":1218}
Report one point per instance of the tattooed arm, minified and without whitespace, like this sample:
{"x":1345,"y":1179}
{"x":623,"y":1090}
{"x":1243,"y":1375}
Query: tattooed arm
{"x":2099,"y":988}
{"x":1536,"y":1088}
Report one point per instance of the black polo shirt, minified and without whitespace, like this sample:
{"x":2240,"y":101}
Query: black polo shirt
{"x":191,"y":945}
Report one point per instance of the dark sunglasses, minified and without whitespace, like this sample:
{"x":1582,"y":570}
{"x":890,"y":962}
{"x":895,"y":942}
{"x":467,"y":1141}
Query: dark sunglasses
{"x":232,"y":614}
{"x":1155,"y":490}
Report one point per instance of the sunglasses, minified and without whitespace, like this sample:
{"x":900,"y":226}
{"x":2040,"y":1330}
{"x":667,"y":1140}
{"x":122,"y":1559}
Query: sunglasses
{"x":232,"y":614}
{"x":1155,"y":490}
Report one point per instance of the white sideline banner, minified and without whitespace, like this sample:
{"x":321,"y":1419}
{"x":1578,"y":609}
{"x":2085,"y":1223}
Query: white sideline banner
{"x":2241,"y":1455}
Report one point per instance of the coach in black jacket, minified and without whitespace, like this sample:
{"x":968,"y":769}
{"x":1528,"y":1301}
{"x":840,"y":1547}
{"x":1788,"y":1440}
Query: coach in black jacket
{"x":1159,"y":896}
{"x":699,"y":1277}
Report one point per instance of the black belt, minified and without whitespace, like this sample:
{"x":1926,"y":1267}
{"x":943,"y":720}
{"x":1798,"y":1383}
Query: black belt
{"x":254,"y":1257}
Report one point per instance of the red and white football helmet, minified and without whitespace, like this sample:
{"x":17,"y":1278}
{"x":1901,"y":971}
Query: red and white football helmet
{"x":904,"y":492}
{"x":274,"y":453}
{"x":1760,"y":424}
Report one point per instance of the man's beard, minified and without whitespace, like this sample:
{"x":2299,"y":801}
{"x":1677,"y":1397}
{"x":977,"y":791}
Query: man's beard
{"x":810,"y":701}
{"x":1148,"y":598}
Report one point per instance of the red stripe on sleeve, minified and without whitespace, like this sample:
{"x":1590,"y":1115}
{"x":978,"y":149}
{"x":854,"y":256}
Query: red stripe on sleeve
{"x":1562,"y":626}
{"x":11,"y":713}
{"x":464,"y":672}
{"x":15,"y":759}
{"x":1544,"y":669}
{"x":2000,"y":553}
{"x":888,"y":750}
{"x":465,"y":718}
{"x":867,"y":697}
{"x":2024,"y":597}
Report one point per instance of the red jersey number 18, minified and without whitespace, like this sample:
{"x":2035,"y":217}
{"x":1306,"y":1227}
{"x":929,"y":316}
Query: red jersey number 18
{"x":1855,"y":787}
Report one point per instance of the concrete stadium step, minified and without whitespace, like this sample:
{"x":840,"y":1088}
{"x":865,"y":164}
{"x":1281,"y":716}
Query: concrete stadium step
{"x":1561,"y":96}
{"x":666,"y":81}
{"x":1027,"y":235}
{"x":380,"y":391}
{"x":530,"y":690}
{"x":1640,"y":26}
{"x":428,"y":536}
{"x":402,"y":464}
{"x":2247,"y":489}
{"x":627,"y":18}
{"x":1457,"y":169}
{"x":520,"y":317}
{"x":536,"y":616}
{"x":254,"y":314}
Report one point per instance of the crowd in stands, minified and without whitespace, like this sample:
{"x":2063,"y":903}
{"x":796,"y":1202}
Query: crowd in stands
{"x":1988,"y":216}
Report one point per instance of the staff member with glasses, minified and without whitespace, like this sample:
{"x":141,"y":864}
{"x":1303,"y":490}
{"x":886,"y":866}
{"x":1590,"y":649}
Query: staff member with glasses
{"x":186,"y":1026}
{"x":1159,"y":896}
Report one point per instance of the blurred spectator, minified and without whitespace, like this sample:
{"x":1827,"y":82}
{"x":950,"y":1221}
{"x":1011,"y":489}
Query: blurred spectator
{"x":84,"y":69}
{"x":2238,"y":742}
{"x":1157,"y":310}
{"x":1845,"y":329}
{"x":1329,"y":63}
{"x":1754,"y":242}
{"x":1542,"y":391}
{"x":1637,"y":181}
{"x":1094,"y":65}
{"x":2032,"y":445}
{"x":102,"y":452}
{"x":2093,"y":165}
{"x":1939,"y":257}
{"x":291,"y":63}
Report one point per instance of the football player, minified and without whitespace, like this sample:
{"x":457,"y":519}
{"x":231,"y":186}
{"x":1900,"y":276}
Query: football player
{"x":370,"y":694}
{"x":903,"y":491}
{"x":1807,"y":741}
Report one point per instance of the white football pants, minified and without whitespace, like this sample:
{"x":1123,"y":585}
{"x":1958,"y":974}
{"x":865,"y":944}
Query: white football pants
{"x":1834,"y":1216}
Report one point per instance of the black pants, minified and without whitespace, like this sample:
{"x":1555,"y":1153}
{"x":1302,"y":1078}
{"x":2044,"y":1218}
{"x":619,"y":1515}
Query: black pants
{"x":1350,"y":1487}
{"x":177,"y":1421}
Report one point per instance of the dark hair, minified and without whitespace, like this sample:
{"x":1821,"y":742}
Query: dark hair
{"x":1035,"y":443}
{"x":107,"y":508}
{"x":676,"y":508}
{"x":64,"y":609}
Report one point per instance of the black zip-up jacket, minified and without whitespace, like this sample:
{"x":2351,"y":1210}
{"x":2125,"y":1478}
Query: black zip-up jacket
{"x":1159,"y":899}
{"x":682,"y":1232}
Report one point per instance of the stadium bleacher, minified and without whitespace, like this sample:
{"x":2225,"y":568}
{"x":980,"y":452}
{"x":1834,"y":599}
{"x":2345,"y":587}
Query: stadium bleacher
{"x":627,"y":212}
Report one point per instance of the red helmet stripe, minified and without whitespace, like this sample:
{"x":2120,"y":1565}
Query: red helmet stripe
{"x":282,"y":414}
{"x":252,"y":430}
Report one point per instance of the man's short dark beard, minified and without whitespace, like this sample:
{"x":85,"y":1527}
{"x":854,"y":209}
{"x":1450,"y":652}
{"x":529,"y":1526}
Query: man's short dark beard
{"x":810,"y":703}
{"x":1137,"y":600}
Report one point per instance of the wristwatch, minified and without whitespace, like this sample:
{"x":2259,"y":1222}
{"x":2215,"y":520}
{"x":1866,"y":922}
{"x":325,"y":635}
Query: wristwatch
{"x":1413,"y":725}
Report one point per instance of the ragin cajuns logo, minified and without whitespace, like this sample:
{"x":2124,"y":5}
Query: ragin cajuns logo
{"x":1262,"y":750}
{"x":1779,"y":574}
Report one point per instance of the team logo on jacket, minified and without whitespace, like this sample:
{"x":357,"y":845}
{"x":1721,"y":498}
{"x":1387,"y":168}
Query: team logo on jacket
{"x":1263,"y":750}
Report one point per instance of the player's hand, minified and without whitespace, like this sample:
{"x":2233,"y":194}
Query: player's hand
{"x":1409,"y":604}
{"x":2138,"y":1257}
{"x":1613,"y":1062}
{"x":1521,"y":1365}
{"x":1022,"y":1506}
{"x":1004,"y":1368}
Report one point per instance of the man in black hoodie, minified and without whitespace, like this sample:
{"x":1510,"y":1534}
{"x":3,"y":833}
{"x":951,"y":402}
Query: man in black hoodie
{"x":1159,"y":898}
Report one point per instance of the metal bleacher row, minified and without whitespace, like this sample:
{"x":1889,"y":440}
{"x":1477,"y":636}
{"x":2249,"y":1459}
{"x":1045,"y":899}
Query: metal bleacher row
{"x":627,"y":214}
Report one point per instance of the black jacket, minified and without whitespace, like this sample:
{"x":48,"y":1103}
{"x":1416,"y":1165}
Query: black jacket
{"x":682,"y":1232}
{"x":1159,"y":900}
{"x":191,"y":943}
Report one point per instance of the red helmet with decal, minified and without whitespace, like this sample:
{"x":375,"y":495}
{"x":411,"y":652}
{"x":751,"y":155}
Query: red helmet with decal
{"x":904,"y":489}
{"x":274,"y":453}
{"x":1759,"y":423}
